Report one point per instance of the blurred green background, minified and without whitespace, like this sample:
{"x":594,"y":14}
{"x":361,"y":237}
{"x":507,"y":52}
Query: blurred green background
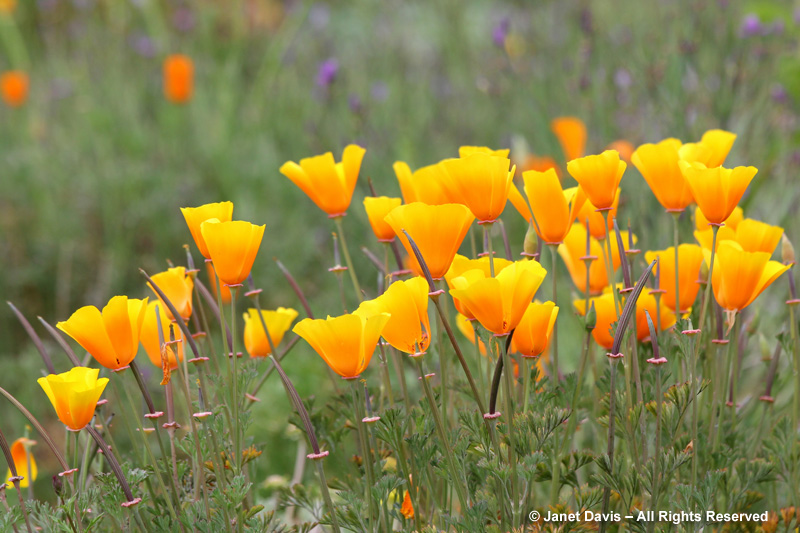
{"x":96,"y":164}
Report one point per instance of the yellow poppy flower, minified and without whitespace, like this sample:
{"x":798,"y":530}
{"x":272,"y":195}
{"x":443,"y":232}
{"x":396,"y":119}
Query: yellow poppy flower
{"x":406,"y":301}
{"x":177,"y":286}
{"x":74,"y":395}
{"x":597,"y":224}
{"x":598,"y":176}
{"x":111,"y":337}
{"x":751,"y":235}
{"x":701,"y":222}
{"x":658,"y":164}
{"x":195,"y":216}
{"x":533,"y":332}
{"x":740,"y":276}
{"x":711,"y":150}
{"x":278,"y":323}
{"x":233,"y":247}
{"x":553,"y":207}
{"x":481,"y":182}
{"x":424,"y":185}
{"x":377,"y":209}
{"x":152,"y":343}
{"x":717,"y":190}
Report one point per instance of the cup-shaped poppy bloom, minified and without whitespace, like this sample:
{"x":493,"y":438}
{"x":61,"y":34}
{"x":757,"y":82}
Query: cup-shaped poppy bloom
{"x":329,"y":184}
{"x":178,"y":287}
{"x":740,"y":276}
{"x":573,"y":249}
{"x":195,"y":216}
{"x":553,"y":207}
{"x":438,"y":231}
{"x":751,"y":235}
{"x":278,"y":323}
{"x":701,"y":222}
{"x":690,"y":258}
{"x":462,"y":264}
{"x":571,"y":135}
{"x":20,"y":453}
{"x":14,"y":86}
{"x":111,"y":337}
{"x":423,"y":185}
{"x":711,"y":150}
{"x":624,"y":147}
{"x":498,"y":303}
{"x":377,"y":209}
{"x":481,"y":182}
{"x":717,"y":190}
{"x":408,"y":329}
{"x":346,"y":342}
{"x":233,"y":247}
{"x":596,"y":221}
{"x":74,"y":395}
{"x":658,"y":164}
{"x":151,"y":341}
{"x":178,"y":78}
{"x":599,"y":176}
{"x":212,"y":281}
{"x":533,"y":332}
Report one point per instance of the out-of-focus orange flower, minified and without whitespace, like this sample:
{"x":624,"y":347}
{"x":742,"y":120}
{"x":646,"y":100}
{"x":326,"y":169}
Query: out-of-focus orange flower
{"x":498,"y":303}
{"x":21,"y":455}
{"x":74,"y":395}
{"x":740,"y":276}
{"x":152,"y":343}
{"x":532,"y":335}
{"x":712,"y":149}
{"x":14,"y":86}
{"x":658,"y":164}
{"x":438,"y":231}
{"x":690,"y":257}
{"x":462,"y":264}
{"x":233,"y":247}
{"x":329,"y":184}
{"x":7,"y":6}
{"x":346,"y":342}
{"x":571,"y":134}
{"x":278,"y":323}
{"x":424,"y":185}
{"x":178,"y":287}
{"x":466,"y":328}
{"x":717,"y":190}
{"x":111,"y":337}
{"x":407,"y":509}
{"x":408,"y":329}
{"x":554,"y":208}
{"x":195,"y":216}
{"x":599,"y":176}
{"x":377,"y":209}
{"x":571,"y":252}
{"x":178,"y":78}
{"x":624,"y":147}
{"x":597,"y":224}
{"x":212,"y":281}
{"x":701,"y":223}
{"x":540,"y":164}
{"x":481,"y":181}
{"x":751,"y":235}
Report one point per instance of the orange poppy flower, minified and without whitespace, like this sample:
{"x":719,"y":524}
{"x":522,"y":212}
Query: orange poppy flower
{"x":424,"y":185}
{"x":712,"y":149}
{"x":571,"y":134}
{"x":178,"y":287}
{"x":195,"y":216}
{"x":74,"y":395}
{"x":658,"y":164}
{"x":690,"y":257}
{"x":599,"y":176}
{"x":701,"y":223}
{"x":406,"y":301}
{"x":751,"y":235}
{"x":498,"y":303}
{"x":625,"y":149}
{"x":21,"y":456}
{"x":233,"y":247}
{"x":377,"y":209}
{"x":8,"y":6}
{"x":554,"y":208}
{"x":407,"y":508}
{"x":438,"y":231}
{"x":481,"y":181}
{"x":329,"y":184}
{"x":532,"y":335}
{"x":278,"y":323}
{"x":346,"y":342}
{"x":151,"y":341}
{"x":14,"y":86}
{"x":212,"y":281}
{"x":740,"y":276}
{"x":178,"y":78}
{"x":717,"y":190}
{"x":111,"y":337}
{"x":462,"y":264}
{"x":597,"y":224}
{"x":540,"y":164}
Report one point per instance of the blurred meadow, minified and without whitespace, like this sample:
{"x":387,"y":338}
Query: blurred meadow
{"x":96,"y":162}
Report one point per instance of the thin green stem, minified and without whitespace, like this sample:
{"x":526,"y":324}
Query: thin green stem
{"x":365,"y":450}
{"x":610,"y":264}
{"x":237,"y":434}
{"x":348,"y":260}
{"x":554,"y":337}
{"x":508,"y":372}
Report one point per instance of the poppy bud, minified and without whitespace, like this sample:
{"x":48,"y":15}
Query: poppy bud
{"x":787,"y":251}
{"x":591,"y":318}
{"x":531,"y":243}
{"x":58,"y":485}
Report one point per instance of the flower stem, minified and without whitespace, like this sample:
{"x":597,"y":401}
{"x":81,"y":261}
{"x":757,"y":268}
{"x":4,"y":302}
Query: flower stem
{"x":554,"y":338}
{"x":610,"y":446}
{"x":610,"y":264}
{"x":365,"y":450}
{"x":508,"y":371}
{"x":348,"y":260}
{"x":237,"y":434}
